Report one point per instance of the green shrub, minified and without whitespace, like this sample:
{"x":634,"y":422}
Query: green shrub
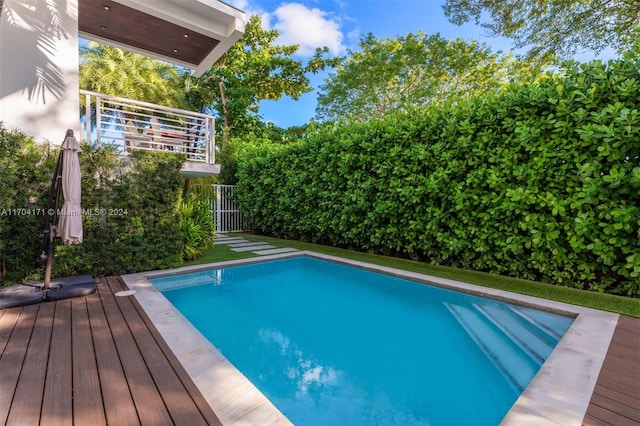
{"x":26,"y":169}
{"x":540,"y":182}
{"x":197,"y":227}
{"x":140,"y":227}
{"x":134,"y":225}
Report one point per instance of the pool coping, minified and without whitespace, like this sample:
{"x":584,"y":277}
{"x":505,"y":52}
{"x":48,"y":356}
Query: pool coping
{"x":558,"y":394}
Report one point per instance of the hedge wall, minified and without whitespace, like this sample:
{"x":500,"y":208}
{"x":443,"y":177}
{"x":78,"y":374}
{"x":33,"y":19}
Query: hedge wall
{"x":140,"y":230}
{"x":140,"y":227}
{"x":540,"y":182}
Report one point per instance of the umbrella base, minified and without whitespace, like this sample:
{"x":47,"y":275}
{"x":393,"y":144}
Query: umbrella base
{"x":60,"y":288}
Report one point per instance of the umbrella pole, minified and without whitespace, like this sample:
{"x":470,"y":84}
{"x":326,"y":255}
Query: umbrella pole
{"x":50,"y":230}
{"x":47,"y":270}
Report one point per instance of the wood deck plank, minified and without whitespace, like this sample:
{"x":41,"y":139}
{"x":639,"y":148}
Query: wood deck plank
{"x":190,"y":386}
{"x":118,"y":403}
{"x":58,"y":397}
{"x":147,"y":399}
{"x":87,"y":397}
{"x":7,"y":323}
{"x":608,"y":417}
{"x":178,"y":401}
{"x":199,"y":400}
{"x":632,"y":413}
{"x":632,"y":401}
{"x":620,"y":375}
{"x":90,"y":358}
{"x":624,"y":357}
{"x":612,"y":384}
{"x":13,"y":357}
{"x":624,"y":351}
{"x":616,"y":396}
{"x":589,"y":420}
{"x":27,"y":400}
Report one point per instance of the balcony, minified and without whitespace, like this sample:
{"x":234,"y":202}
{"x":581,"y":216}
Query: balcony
{"x":130,"y":125}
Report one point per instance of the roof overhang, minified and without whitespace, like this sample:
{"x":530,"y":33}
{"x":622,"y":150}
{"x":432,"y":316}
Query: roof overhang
{"x":190,"y":33}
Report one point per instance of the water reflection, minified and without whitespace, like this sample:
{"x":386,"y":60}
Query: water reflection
{"x":305,"y":372}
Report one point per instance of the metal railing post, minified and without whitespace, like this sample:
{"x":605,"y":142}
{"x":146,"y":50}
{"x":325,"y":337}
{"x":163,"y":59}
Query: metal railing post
{"x":99,"y":120}
{"x":87,"y":116}
{"x":211,"y":142}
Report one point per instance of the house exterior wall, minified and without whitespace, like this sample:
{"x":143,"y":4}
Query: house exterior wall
{"x":39,"y":91}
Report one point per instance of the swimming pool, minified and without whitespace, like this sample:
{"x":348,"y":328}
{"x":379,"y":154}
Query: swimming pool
{"x":333,"y":344}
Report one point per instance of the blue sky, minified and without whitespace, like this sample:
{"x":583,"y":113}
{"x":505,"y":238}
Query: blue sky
{"x":339,"y":24}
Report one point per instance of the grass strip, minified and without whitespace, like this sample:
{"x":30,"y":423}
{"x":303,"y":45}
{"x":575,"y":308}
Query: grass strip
{"x":606,"y":302}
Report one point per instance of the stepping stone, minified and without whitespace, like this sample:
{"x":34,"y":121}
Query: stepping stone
{"x":252,"y":248}
{"x":246,"y":243}
{"x":275,"y":251}
{"x":239,"y":240}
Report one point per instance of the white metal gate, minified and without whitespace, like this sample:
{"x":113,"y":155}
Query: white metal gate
{"x":227,"y":211}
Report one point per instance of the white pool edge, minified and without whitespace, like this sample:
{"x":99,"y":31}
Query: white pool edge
{"x":558,"y":394}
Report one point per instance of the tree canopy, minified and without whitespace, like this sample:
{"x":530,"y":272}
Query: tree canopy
{"x":554,"y":27}
{"x":402,"y":73}
{"x":252,"y":70}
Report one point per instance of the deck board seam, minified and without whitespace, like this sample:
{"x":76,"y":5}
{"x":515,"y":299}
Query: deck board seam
{"x":99,"y":316}
{"x":118,"y":305}
{"x":618,"y":383}
{"x":11,"y":339}
{"x":30,"y":382}
{"x":163,"y":380}
{"x":202,"y":405}
{"x":77,"y":331}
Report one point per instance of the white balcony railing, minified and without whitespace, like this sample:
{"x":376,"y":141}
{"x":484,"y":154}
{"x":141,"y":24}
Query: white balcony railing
{"x":133,"y":125}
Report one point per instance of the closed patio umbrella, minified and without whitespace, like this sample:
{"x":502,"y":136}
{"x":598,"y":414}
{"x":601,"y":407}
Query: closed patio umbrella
{"x":70,"y":223}
{"x":67,"y":176}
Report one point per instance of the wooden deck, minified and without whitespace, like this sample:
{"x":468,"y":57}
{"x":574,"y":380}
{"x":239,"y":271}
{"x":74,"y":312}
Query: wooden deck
{"x":616,"y":397}
{"x":92,"y":360}
{"x":99,"y":360}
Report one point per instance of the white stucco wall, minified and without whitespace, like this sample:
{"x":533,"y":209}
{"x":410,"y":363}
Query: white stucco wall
{"x":39,"y":67}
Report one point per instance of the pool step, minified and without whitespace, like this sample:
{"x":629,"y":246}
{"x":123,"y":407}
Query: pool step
{"x":552,"y":325}
{"x":517,"y":367}
{"x":534,"y":341}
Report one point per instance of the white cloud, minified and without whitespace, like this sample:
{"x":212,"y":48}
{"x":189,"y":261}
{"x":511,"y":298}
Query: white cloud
{"x":308,"y":28}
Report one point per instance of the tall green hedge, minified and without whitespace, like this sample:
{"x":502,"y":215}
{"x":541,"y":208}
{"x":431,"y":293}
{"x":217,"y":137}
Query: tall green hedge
{"x":134,"y":223}
{"x":138,"y":228}
{"x":25,"y":175}
{"x":540,"y":182}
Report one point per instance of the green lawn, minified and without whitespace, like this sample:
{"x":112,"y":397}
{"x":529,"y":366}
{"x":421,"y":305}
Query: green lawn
{"x":605,"y":302}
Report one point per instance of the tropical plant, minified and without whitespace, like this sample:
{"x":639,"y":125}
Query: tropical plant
{"x":197,"y":227}
{"x":116,"y":72}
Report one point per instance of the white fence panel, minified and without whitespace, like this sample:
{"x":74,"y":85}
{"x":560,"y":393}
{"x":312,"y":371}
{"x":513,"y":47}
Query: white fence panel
{"x":227,"y":211}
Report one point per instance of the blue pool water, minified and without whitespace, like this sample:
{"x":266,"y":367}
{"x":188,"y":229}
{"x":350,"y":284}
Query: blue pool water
{"x":332,"y":344}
